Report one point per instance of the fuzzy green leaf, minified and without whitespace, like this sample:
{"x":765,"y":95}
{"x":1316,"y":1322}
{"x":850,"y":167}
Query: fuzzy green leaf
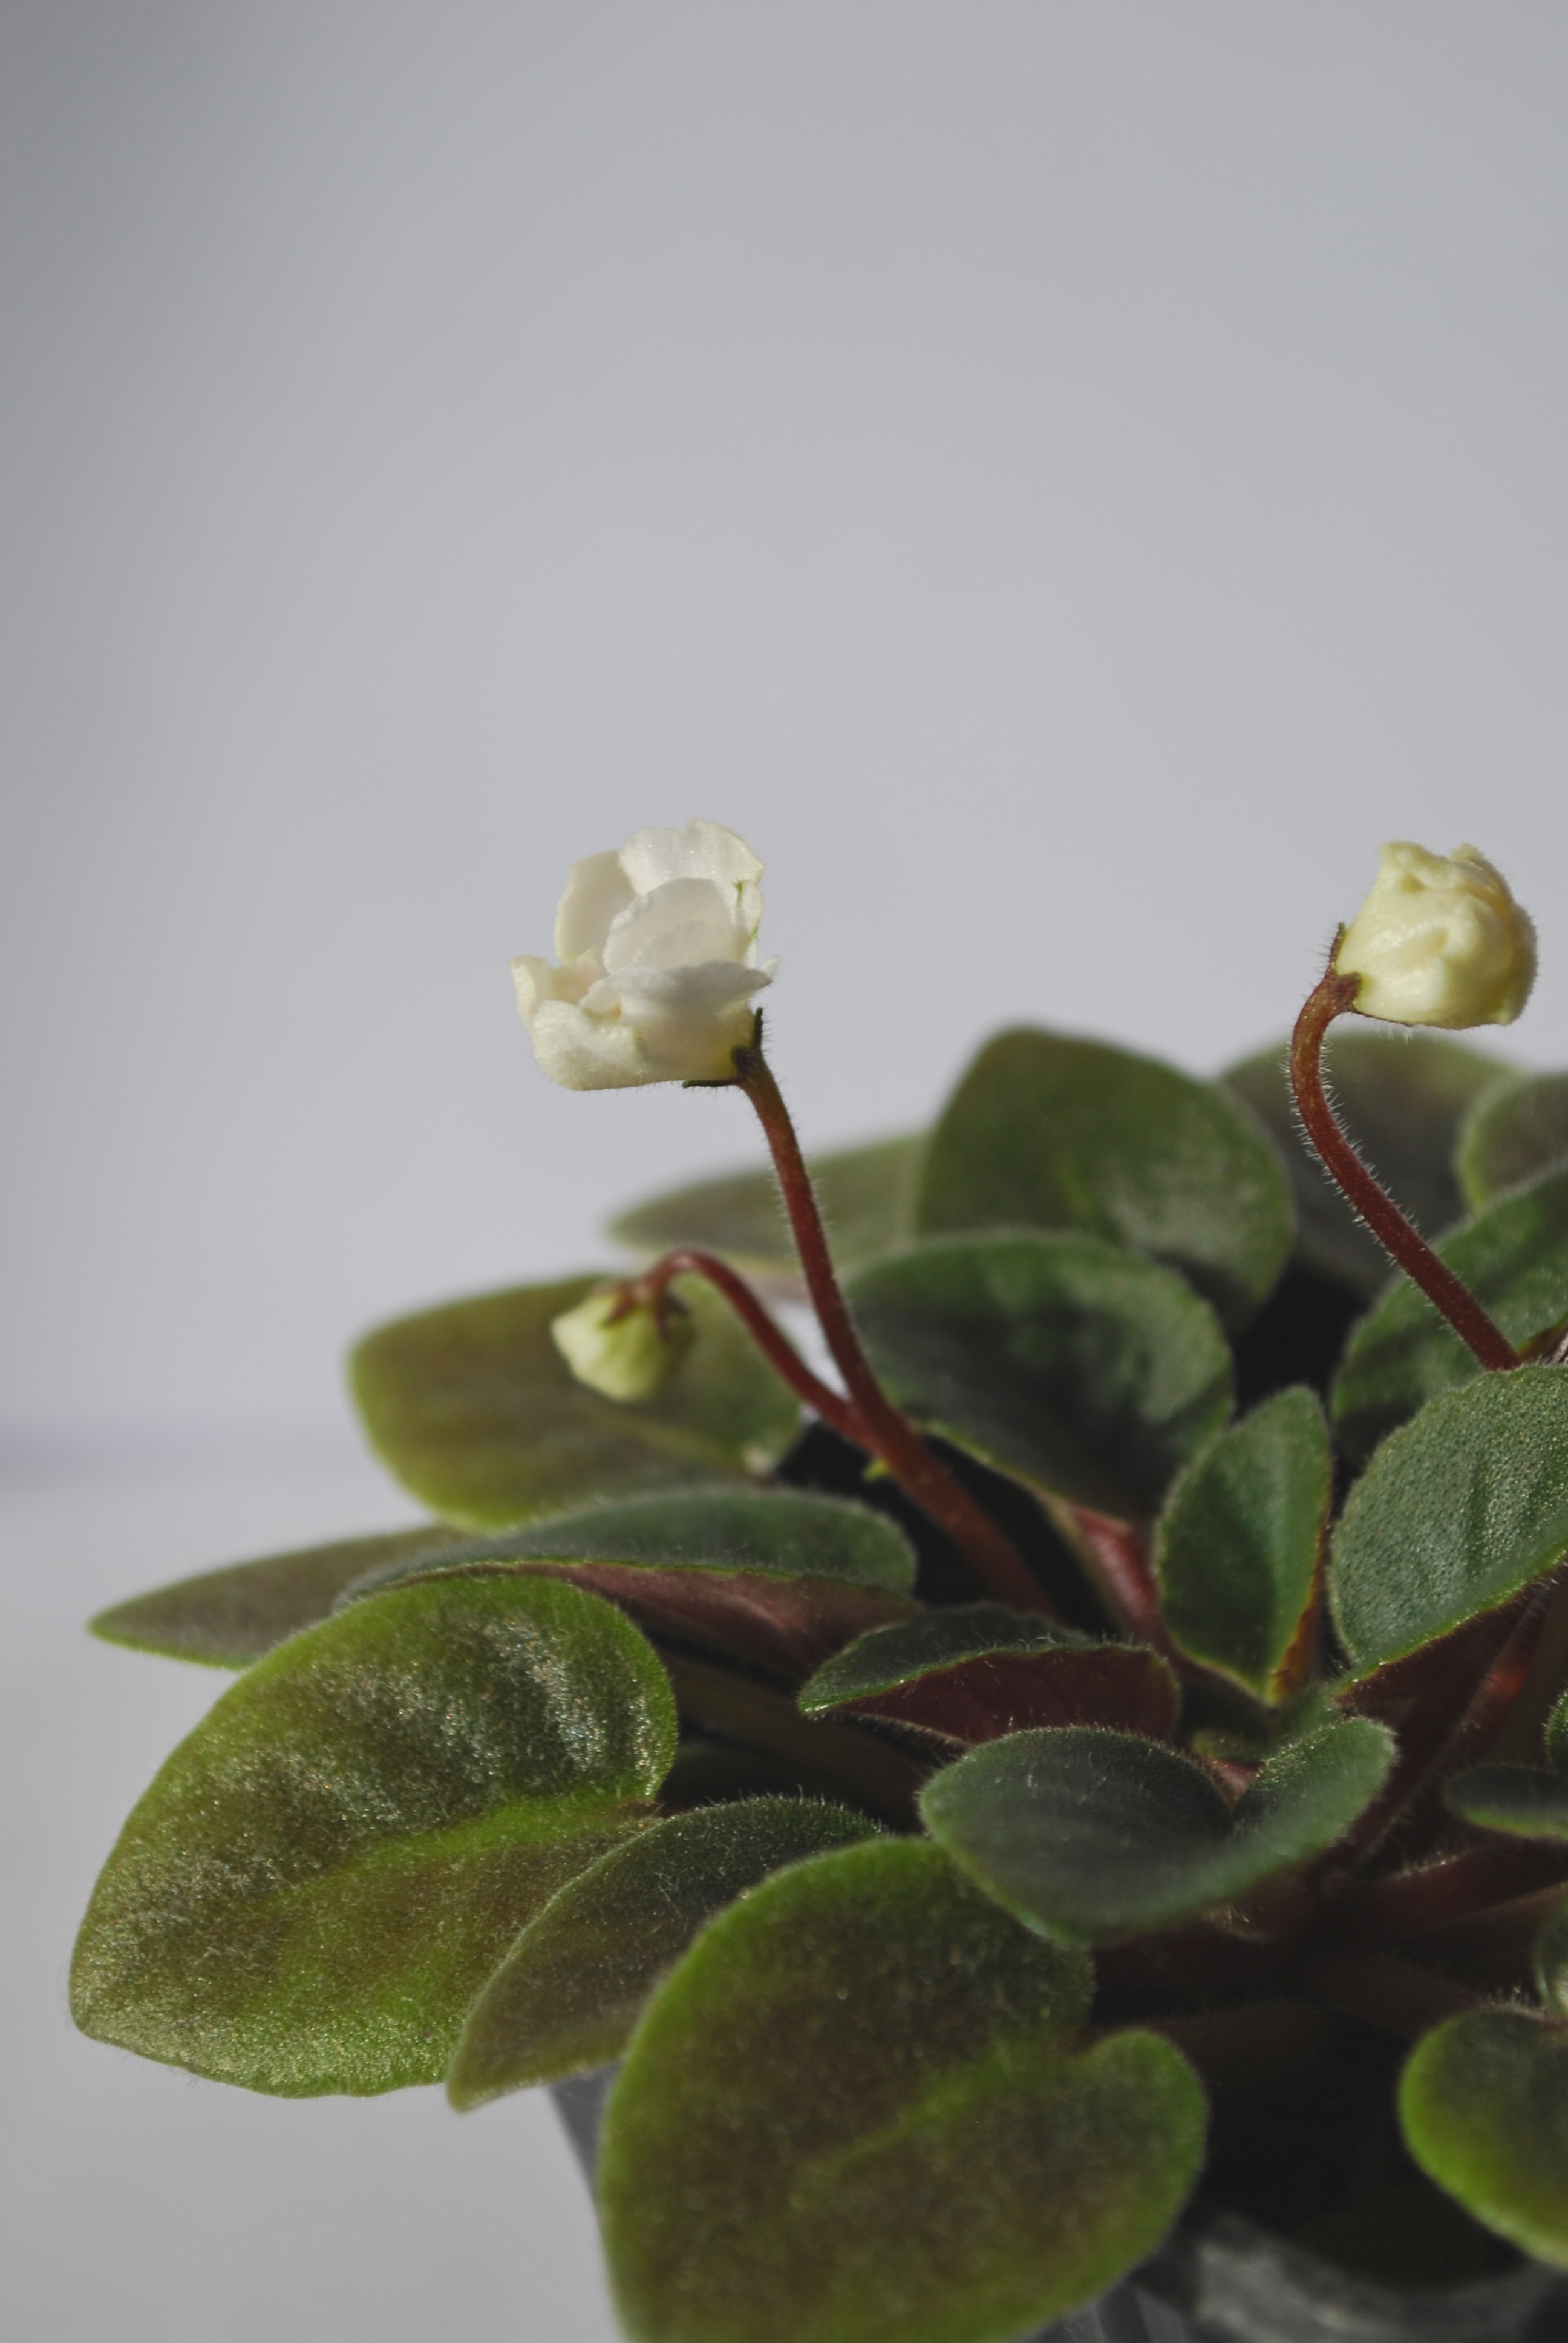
{"x":1093,"y":1837}
{"x":1556,"y":1736}
{"x":1403,"y":1097}
{"x":867,"y":1195}
{"x":1090,"y":1372}
{"x":1551,"y":1960}
{"x":1048,"y":1132}
{"x":817,"y":2140}
{"x":1237,"y":1549}
{"x":1525,"y":1800}
{"x":570,"y":1992}
{"x":1457,"y":1511}
{"x":1514,"y":1257}
{"x":1483,"y":2100}
{"x":226,"y":1618}
{"x":324,"y":1873}
{"x":1515,"y":1130}
{"x":475,"y":1410}
{"x":976,"y":1670}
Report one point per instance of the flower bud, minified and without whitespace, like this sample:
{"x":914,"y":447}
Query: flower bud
{"x":628,"y":1357}
{"x":1439,"y":941}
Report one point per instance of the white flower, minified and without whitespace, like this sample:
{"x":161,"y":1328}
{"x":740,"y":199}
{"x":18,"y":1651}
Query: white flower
{"x":1439,"y":941}
{"x":657,"y":947}
{"x":626,"y":1357}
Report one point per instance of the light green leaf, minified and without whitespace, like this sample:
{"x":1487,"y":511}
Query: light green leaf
{"x":1085,"y":1369}
{"x":866,"y":1193}
{"x":325,"y":1872}
{"x":572,"y":1988}
{"x":816,"y":2138}
{"x":1046,"y":1130}
{"x":1515,"y":1130}
{"x":1525,"y":1800}
{"x":1093,"y":1837}
{"x":1483,"y":2101}
{"x":475,"y":1410}
{"x":1237,"y":1549}
{"x":1457,"y":1511}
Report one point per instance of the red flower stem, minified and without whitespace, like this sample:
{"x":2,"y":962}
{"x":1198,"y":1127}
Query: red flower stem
{"x":884,"y":1429}
{"x":1116,"y":1554}
{"x":650,"y":1289}
{"x":1329,"y":997}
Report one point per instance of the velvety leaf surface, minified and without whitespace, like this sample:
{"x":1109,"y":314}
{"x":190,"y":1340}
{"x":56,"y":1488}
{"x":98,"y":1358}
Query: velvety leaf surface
{"x":1403,"y":1097}
{"x":1458,"y":1510}
{"x":1237,"y":1549}
{"x":1483,"y":2100}
{"x":226,"y":1618}
{"x":572,"y":1988}
{"x":1514,"y":1257}
{"x":476,"y":1413}
{"x":978,"y":1670}
{"x":1523,"y":1800}
{"x":867,"y":1195}
{"x":1515,"y":1130}
{"x":1092,"y":1836}
{"x":1046,"y":1130}
{"x":324,"y":1873}
{"x":859,"y":2112}
{"x":1085,"y":1369}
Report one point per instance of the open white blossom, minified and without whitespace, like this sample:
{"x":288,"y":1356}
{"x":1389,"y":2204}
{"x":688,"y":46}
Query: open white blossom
{"x":657,"y":951}
{"x":1439,"y":941}
{"x":625,"y":1358}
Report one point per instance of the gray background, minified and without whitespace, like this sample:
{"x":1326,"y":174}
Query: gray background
{"x":1065,"y":481}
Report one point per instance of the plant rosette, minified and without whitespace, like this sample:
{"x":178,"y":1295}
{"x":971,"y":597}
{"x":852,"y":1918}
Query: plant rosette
{"x":1072,"y":1810}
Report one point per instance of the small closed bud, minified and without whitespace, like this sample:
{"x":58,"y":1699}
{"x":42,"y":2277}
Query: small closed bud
{"x":629,"y":1356}
{"x":1439,"y":941}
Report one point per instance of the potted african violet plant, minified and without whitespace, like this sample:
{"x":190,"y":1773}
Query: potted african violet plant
{"x":1073,"y":1812}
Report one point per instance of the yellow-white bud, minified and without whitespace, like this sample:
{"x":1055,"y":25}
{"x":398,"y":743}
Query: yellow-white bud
{"x":1439,"y":941}
{"x":625,"y":1358}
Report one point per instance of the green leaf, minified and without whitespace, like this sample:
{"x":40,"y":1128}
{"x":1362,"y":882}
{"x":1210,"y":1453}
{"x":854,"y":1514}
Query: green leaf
{"x":1483,"y":2100}
{"x":978,"y":1670}
{"x":226,"y":1618}
{"x":1093,"y":1837}
{"x":1402,"y":1097}
{"x":1515,"y":1130}
{"x":570,"y":1992}
{"x":1048,"y":1132}
{"x":1556,"y":1737}
{"x":1237,"y":1549}
{"x":475,"y":1410}
{"x":1090,"y":1372}
{"x":858,"y":2113}
{"x":867,"y":1195}
{"x":324,"y":1873}
{"x":1514,"y":1257}
{"x":1457,"y":1511}
{"x":1551,"y":1960}
{"x":1525,"y":1800}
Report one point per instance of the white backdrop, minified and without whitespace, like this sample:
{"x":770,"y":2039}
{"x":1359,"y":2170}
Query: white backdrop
{"x":1065,"y":480}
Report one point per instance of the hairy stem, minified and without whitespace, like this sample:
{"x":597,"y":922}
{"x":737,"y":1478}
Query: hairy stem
{"x":651,"y":1289}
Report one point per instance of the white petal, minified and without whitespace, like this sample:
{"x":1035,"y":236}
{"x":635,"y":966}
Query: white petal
{"x":589,"y":1053}
{"x":693,"y":991}
{"x":703,"y":849}
{"x":535,"y":979}
{"x":685,"y":921}
{"x":597,"y":889}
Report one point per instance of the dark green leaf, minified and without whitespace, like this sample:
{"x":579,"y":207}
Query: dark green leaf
{"x":1048,"y":1132}
{"x":1483,"y":2100}
{"x":1514,"y":1257}
{"x":226,"y":1618}
{"x":1237,"y":1549}
{"x":858,"y":2113}
{"x":573,"y":1985}
{"x":1456,"y":1511}
{"x":1516,"y":1130}
{"x":977,"y":1671}
{"x":324,"y":1873}
{"x":475,"y":1410}
{"x":1556,"y":1737}
{"x":1551,"y":1960}
{"x":867,"y":1195}
{"x":1090,"y":1372}
{"x":1523,"y":1800}
{"x":1401,"y":1096}
{"x":1092,"y":1837}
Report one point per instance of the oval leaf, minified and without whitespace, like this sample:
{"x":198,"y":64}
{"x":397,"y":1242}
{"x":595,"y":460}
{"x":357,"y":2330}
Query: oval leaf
{"x":1237,"y":1548}
{"x":476,"y":1413}
{"x":324,"y":1873}
{"x":572,"y":1988}
{"x":867,"y":1195}
{"x":808,"y":2075}
{"x":1514,"y":1257}
{"x":1483,"y":2101}
{"x":1048,"y":1132}
{"x":1516,"y":1130}
{"x":1525,"y":1800}
{"x":1094,"y":1837}
{"x":1457,"y":1511}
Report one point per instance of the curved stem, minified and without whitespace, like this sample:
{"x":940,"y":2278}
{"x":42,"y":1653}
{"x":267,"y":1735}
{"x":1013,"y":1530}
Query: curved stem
{"x":1329,"y":997}
{"x":651,"y":1289}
